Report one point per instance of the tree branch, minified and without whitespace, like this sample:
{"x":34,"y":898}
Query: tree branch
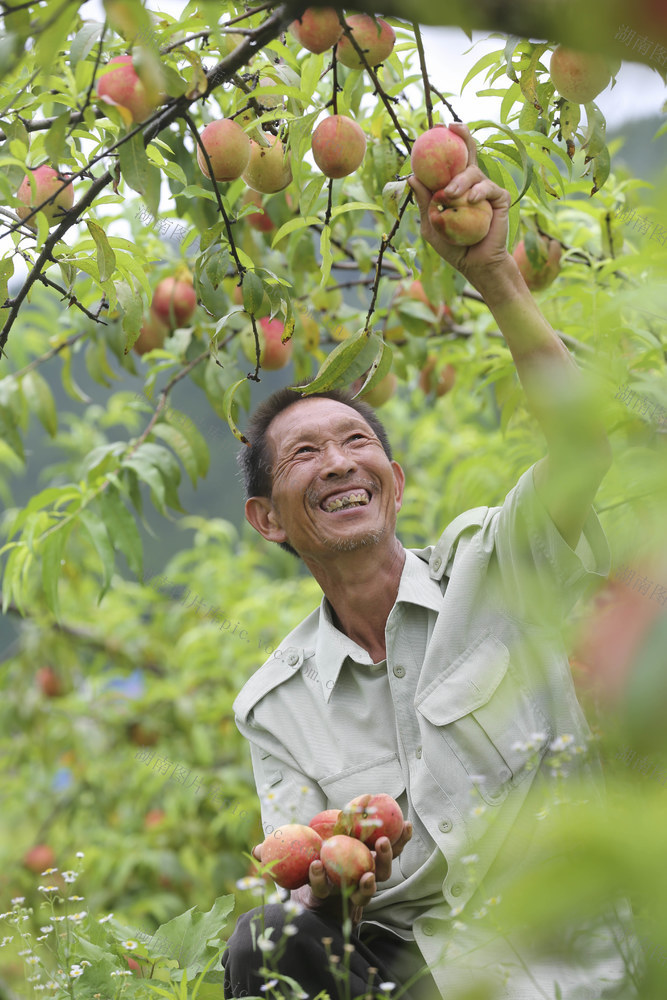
{"x":386,"y":242}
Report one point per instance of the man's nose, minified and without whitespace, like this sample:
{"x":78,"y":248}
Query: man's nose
{"x":336,"y":461}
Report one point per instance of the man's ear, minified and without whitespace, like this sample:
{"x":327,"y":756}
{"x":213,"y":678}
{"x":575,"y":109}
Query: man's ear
{"x":399,"y":484}
{"x":260,"y":513}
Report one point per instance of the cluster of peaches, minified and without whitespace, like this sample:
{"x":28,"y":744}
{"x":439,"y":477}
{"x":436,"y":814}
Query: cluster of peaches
{"x":340,"y":838}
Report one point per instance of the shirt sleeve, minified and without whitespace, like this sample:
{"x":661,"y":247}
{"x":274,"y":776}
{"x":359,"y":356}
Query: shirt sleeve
{"x":285,"y":793}
{"x":539,"y":575}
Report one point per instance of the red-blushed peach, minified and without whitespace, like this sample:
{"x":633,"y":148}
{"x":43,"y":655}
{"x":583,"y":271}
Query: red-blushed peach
{"x":437,"y":156}
{"x":374,"y":37}
{"x":269,"y":168}
{"x":578,"y":76}
{"x":381,"y":392}
{"x":39,"y":858}
{"x":293,"y":848}
{"x":458,"y":221}
{"x":329,"y":822}
{"x":317,"y":29}
{"x":339,"y":146}
{"x":373,"y":816}
{"x":543,"y":270}
{"x":120,"y":83}
{"x":153,"y":334}
{"x":228,"y":149}
{"x":432,"y":380}
{"x":345,"y":860}
{"x":47,"y":182}
{"x":174,"y":301}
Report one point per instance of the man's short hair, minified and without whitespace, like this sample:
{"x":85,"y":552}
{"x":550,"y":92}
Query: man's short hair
{"x":256,"y":460}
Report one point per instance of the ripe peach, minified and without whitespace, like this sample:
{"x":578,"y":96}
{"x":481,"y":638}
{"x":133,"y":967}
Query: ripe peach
{"x":293,"y":848}
{"x":578,"y":76}
{"x":261,"y":221}
{"x":317,"y":29}
{"x":228,"y":149}
{"x":153,"y":334}
{"x":339,"y":146}
{"x":381,"y":392}
{"x":374,"y":816}
{"x":39,"y":858}
{"x":438,"y":382}
{"x":174,"y":302}
{"x":49,"y":682}
{"x":437,"y":156}
{"x":326,"y":822}
{"x":541,"y":269}
{"x":47,"y":182}
{"x":122,"y":85}
{"x":274,"y":353}
{"x":461,"y":223}
{"x":345,"y":860}
{"x":374,"y":37}
{"x":154,"y":817}
{"x":268,"y":169}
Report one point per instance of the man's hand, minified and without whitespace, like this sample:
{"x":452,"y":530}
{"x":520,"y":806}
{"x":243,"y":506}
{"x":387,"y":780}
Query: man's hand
{"x":321,"y":894}
{"x":492,"y":250}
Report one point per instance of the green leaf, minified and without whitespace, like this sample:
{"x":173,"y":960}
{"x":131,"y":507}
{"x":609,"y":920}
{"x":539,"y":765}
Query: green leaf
{"x":50,"y":554}
{"x":40,"y":400}
{"x":6,"y":272}
{"x":195,"y":440}
{"x":106,"y":258}
{"x":187,"y":936}
{"x":292,"y":226}
{"x":327,"y":257}
{"x":84,"y":40}
{"x":228,"y":406}
{"x":122,"y":528}
{"x":355,"y":206}
{"x":100,"y":539}
{"x":54,"y":138}
{"x":139,"y":173}
{"x":380,"y":367}
{"x":253,"y":291}
{"x":146,"y":471}
{"x":181,"y":446}
{"x":345,"y":363}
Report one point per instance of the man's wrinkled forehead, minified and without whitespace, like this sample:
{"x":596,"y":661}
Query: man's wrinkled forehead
{"x":310,"y":419}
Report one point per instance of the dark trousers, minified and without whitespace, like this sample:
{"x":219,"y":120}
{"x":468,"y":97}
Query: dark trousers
{"x":306,"y":959}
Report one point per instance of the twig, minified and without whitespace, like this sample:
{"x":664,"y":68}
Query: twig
{"x":193,"y":128}
{"x":386,"y":242}
{"x":72,"y":339}
{"x":162,"y":398}
{"x":444,"y":101}
{"x":255,"y":375}
{"x":422,"y":64}
{"x":378,"y":86}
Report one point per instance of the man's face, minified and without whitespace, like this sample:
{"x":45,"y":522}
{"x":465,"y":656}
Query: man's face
{"x":334,"y":489}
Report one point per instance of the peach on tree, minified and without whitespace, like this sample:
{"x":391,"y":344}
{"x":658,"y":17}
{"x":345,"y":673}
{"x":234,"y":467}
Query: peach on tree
{"x":318,"y":29}
{"x":228,"y":149}
{"x":374,"y":37}
{"x":459,"y":221}
{"x":269,"y":168}
{"x":339,"y":146}
{"x":120,"y":84}
{"x":174,"y":301}
{"x":437,"y":156}
{"x":578,"y":76}
{"x":48,"y":184}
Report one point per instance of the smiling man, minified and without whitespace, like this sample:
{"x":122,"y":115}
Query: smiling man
{"x":435,"y":675}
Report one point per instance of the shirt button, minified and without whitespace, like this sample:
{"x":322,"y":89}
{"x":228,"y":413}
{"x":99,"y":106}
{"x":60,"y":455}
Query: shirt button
{"x":418,"y":752}
{"x":399,"y":671}
{"x":457,"y":888}
{"x":437,"y":563}
{"x":445,"y":826}
{"x":505,"y":774}
{"x":292,"y":659}
{"x":428,"y":929}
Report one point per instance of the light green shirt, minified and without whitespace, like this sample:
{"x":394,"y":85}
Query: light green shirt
{"x":458,"y":724}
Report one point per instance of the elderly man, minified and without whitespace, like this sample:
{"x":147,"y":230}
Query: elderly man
{"x":435,"y":675}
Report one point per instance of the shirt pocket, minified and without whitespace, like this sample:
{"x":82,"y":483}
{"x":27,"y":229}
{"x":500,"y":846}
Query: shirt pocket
{"x":380,"y":774}
{"x":488,"y":718}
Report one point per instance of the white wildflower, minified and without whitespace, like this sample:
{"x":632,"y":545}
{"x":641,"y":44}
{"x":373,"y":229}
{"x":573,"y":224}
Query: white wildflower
{"x":104,"y":920}
{"x":387,"y":987}
{"x":69,"y":876}
{"x":290,"y":930}
{"x":75,"y":972}
{"x":46,"y":928}
{"x":250,"y":882}
{"x":18,"y":899}
{"x":267,"y":986}
{"x":80,"y":854}
{"x":470,"y":859}
{"x":49,"y":871}
{"x":130,"y":944}
{"x":75,"y":899}
{"x":291,"y":906}
{"x":482,"y":912}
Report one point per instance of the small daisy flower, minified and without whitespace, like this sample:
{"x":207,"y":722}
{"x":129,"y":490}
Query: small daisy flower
{"x":387,"y":987}
{"x":49,"y":871}
{"x":290,"y":930}
{"x":130,"y":944}
{"x":275,"y":897}
{"x":70,"y":876}
{"x":52,"y":985}
{"x":75,"y":972}
{"x":6,"y":940}
{"x":249,"y":882}
{"x":268,"y":986}
{"x":75,"y":899}
{"x":84,"y":961}
{"x":291,"y":906}
{"x":40,"y":987}
{"x":48,"y":888}
{"x":59,"y":919}
{"x":264,"y":944}
{"x":46,"y":928}
{"x":458,"y":925}
{"x":3,"y":916}
{"x":17,"y":900}
{"x":493,"y":900}
{"x":105,"y":920}
{"x":456,"y":910}
{"x":41,"y":937}
{"x":80,"y":854}
{"x":26,"y":951}
{"x":561,"y":742}
{"x":122,"y":972}
{"x":77,"y":917}
{"x":482,"y":912}
{"x":32,"y":979}
{"x":470,"y":859}
{"x":32,"y":960}
{"x":479,"y":810}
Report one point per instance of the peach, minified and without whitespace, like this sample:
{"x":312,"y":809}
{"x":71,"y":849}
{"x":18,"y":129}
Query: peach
{"x":437,"y":156}
{"x":345,"y":860}
{"x":317,"y":29}
{"x":542,"y":269}
{"x":374,"y":37}
{"x":459,"y":222}
{"x":122,"y":85}
{"x":228,"y":149}
{"x":49,"y":682}
{"x":268,"y":169}
{"x":578,"y":76}
{"x":261,"y":221}
{"x":153,"y":334}
{"x":174,"y":301}
{"x":292,"y":848}
{"x":274,"y":353}
{"x":339,"y":146}
{"x":438,"y":382}
{"x":47,"y":182}
{"x":39,"y":857}
{"x":374,"y":816}
{"x":381,"y":392}
{"x":329,"y":822}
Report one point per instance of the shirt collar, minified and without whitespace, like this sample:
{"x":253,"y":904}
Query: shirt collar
{"x":332,"y":646}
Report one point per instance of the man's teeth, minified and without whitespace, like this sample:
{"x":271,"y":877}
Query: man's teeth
{"x":347,"y":501}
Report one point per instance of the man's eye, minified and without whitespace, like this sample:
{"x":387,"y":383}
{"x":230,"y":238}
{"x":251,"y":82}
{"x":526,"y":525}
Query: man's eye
{"x":357,"y":437}
{"x":304,"y":447}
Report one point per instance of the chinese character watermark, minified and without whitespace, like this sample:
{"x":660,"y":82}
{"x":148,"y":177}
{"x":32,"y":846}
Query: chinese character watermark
{"x":180,"y":774}
{"x":645,"y":405}
{"x":642,"y":45}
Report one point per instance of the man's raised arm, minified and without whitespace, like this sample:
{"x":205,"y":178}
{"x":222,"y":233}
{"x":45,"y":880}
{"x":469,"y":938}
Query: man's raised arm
{"x":579,"y":454}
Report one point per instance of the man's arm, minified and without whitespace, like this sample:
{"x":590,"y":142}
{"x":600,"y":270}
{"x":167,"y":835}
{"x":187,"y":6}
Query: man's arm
{"x":579,"y":454}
